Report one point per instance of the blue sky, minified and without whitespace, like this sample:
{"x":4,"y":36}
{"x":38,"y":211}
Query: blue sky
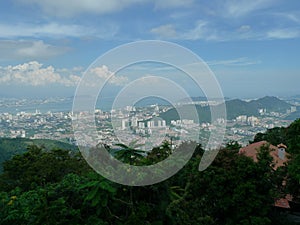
{"x":251,"y":46}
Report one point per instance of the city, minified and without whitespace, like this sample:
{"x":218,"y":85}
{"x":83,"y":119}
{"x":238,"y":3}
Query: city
{"x":141,"y":124}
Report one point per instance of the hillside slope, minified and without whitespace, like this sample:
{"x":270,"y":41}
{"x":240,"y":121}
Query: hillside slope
{"x":12,"y":146}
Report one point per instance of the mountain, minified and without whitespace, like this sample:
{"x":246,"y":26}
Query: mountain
{"x":239,"y":107}
{"x":12,"y":146}
{"x":272,"y":104}
{"x":234,"y":108}
{"x":203,"y":113}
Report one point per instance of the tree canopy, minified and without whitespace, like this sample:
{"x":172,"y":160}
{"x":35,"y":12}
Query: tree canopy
{"x":58,"y":187}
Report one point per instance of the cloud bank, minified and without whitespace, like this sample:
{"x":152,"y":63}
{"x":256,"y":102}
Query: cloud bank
{"x":36,"y":74}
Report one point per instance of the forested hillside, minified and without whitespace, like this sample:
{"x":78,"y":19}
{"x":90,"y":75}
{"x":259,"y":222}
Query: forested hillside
{"x":12,"y":146}
{"x":58,"y":187}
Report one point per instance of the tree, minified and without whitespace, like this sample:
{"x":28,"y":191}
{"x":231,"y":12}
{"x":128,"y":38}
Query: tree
{"x":230,"y":191}
{"x":129,"y":153}
{"x":159,"y":153}
{"x":233,"y":145}
{"x":38,"y":167}
{"x":274,"y":136}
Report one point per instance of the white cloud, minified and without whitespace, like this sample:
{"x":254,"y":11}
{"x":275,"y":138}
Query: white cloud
{"x":244,"y":28}
{"x":165,"y":31}
{"x":293,"y":16}
{"x":288,"y":33}
{"x":103,"y":73}
{"x":55,"y":30}
{"x":244,"y":61}
{"x":32,"y":73}
{"x":239,"y":8}
{"x":27,"y":50}
{"x":232,"y":20}
{"x":200,"y":31}
{"x":68,"y":8}
{"x":211,"y":31}
{"x":35,"y":74}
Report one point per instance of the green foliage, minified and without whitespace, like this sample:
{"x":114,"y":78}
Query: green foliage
{"x":45,"y":205}
{"x":233,"y":145}
{"x":228,"y":192}
{"x":10,"y":147}
{"x":38,"y":167}
{"x":100,"y":191}
{"x":274,"y":136}
{"x":159,"y":153}
{"x":57,"y":187}
{"x":129,"y":154}
{"x":290,"y":136}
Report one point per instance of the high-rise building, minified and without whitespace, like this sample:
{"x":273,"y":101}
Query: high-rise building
{"x":134,"y":122}
{"x":123,"y":125}
{"x":141,"y":125}
{"x":150,"y":124}
{"x":159,"y":123}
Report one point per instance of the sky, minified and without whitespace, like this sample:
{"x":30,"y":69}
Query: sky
{"x":252,"y":47}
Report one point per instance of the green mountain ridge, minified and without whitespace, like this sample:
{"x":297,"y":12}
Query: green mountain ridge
{"x":234,"y":107}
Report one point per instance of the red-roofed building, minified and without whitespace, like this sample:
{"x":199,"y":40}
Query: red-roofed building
{"x":279,"y":154}
{"x":280,"y":158}
{"x":282,"y":203}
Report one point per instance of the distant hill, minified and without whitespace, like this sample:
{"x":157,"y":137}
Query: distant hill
{"x":272,"y":104}
{"x":234,"y":108}
{"x":172,"y":114}
{"x":12,"y":146}
{"x":238,"y":107}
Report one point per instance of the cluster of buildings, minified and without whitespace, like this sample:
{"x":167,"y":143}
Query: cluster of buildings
{"x":36,"y":125}
{"x":133,"y":123}
{"x":243,"y":128}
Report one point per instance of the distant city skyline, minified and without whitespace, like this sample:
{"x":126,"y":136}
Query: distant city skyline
{"x":251,"y":47}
